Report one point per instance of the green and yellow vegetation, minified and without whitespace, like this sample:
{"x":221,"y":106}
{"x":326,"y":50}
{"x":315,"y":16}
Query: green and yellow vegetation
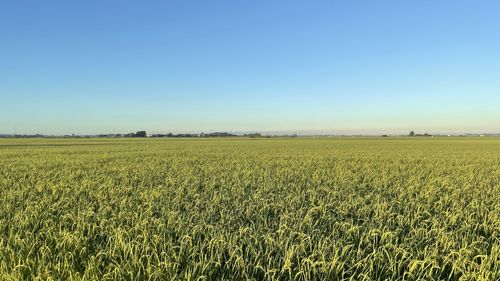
{"x":250,"y":209}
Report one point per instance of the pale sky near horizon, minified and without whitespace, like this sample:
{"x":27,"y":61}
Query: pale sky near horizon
{"x":189,"y":66}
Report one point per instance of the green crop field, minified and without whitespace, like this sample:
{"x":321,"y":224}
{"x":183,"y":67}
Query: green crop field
{"x":250,"y":209}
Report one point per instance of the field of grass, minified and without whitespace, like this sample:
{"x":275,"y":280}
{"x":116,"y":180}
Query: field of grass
{"x":257,"y":209}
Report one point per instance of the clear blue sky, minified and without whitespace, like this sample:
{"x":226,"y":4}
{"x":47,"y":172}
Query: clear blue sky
{"x":191,"y":66}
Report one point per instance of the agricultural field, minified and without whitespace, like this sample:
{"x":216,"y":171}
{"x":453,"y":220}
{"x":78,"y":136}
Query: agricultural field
{"x":250,"y":209}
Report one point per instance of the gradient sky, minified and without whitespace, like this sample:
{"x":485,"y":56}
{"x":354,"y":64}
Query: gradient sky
{"x":190,"y":66}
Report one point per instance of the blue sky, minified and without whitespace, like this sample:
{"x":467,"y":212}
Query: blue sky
{"x":192,"y":66}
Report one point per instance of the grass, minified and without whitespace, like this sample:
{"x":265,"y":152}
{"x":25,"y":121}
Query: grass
{"x":250,"y":209}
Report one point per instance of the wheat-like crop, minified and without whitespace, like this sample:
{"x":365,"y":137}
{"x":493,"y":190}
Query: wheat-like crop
{"x":250,"y":209}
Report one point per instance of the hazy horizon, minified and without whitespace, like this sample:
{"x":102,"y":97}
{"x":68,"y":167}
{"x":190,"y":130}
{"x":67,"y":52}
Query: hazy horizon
{"x":304,"y":132}
{"x":182,"y":66}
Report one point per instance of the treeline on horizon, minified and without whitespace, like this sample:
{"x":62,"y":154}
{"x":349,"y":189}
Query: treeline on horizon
{"x":143,"y":134}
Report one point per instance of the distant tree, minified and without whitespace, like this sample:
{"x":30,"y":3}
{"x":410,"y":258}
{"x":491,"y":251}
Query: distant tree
{"x":253,"y":135}
{"x":220,"y":134}
{"x":412,"y":134}
{"x":140,"y":134}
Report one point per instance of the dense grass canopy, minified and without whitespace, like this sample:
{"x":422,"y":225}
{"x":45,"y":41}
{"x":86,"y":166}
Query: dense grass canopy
{"x":257,"y":209}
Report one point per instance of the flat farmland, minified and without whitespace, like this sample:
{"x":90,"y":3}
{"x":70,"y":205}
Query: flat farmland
{"x":250,"y":209}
